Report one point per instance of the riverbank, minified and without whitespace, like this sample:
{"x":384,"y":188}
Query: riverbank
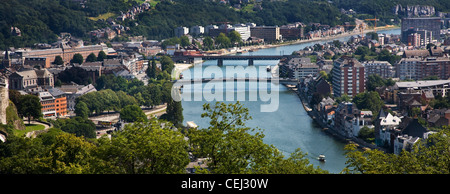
{"x":266,"y":46}
{"x":330,"y":130}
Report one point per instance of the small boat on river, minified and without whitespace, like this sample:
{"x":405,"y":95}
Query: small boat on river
{"x":321,"y":158}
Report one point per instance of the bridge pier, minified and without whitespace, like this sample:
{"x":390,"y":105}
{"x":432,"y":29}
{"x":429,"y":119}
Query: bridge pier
{"x":220,"y":62}
{"x":250,"y":62}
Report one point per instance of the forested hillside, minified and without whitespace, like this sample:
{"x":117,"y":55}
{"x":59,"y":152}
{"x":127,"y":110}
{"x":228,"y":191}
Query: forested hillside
{"x":160,"y":22}
{"x":42,"y":20}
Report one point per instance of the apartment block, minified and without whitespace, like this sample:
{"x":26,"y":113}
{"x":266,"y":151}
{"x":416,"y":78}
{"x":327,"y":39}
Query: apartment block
{"x":348,"y":77}
{"x":382,"y":68}
{"x":268,"y":33}
{"x":432,"y":24}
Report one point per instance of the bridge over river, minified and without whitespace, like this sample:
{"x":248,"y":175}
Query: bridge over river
{"x":220,"y":59}
{"x":232,"y":79}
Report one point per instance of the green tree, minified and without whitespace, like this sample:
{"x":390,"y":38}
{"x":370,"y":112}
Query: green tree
{"x":184,"y":40}
{"x":234,"y":148}
{"x":223,"y":41}
{"x":132,"y":113}
{"x":101,"y":56}
{"x":174,"y":113}
{"x":29,"y":106}
{"x":234,"y":37}
{"x":152,"y":69}
{"x":91,"y":58}
{"x":81,"y":127}
{"x":143,"y":148}
{"x":430,"y":156}
{"x":167,"y":64}
{"x":70,"y":155}
{"x":77,"y":58}
{"x":82,"y":110}
{"x":368,"y":100}
{"x":374,"y":81}
{"x":58,"y":60}
{"x":208,"y":43}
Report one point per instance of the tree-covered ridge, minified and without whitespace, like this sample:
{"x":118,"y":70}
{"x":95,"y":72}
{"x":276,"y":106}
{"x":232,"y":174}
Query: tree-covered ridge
{"x":160,"y":22}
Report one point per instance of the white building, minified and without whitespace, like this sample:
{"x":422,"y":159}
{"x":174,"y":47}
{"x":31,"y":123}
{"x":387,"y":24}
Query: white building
{"x":209,"y":27}
{"x":181,"y":31}
{"x":382,"y":68}
{"x":243,"y":30}
{"x":197,"y":30}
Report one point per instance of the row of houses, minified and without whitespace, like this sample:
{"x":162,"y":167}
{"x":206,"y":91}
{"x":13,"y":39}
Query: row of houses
{"x":268,"y":33}
{"x":392,"y":130}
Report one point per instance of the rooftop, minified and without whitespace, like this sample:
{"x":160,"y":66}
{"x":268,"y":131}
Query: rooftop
{"x":417,"y":84}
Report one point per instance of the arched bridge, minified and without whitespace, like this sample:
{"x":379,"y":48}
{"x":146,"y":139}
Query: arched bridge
{"x":220,"y":59}
{"x":206,"y":80}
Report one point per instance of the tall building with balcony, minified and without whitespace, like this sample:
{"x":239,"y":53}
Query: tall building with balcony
{"x":348,"y":77}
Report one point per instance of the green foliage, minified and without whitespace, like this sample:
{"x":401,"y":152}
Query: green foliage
{"x":61,"y":154}
{"x":174,"y":113}
{"x":77,"y":58}
{"x":208,"y":43}
{"x":367,"y":134}
{"x":77,"y":125}
{"x":234,"y":148}
{"x":132,"y":113}
{"x":167,"y":64}
{"x":160,"y":22}
{"x":374,"y":81}
{"x":222,"y":41}
{"x":75,"y":74}
{"x":29,"y":106}
{"x":82,"y":110}
{"x":101,"y":56}
{"x":91,"y":58}
{"x":430,"y":156}
{"x":184,"y":40}
{"x":40,"y":21}
{"x":368,"y":100}
{"x":143,"y":148}
{"x":58,"y":60}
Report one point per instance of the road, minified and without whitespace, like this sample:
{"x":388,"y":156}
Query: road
{"x":158,"y":111}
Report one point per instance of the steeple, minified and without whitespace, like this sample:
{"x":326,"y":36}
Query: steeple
{"x":6,"y":62}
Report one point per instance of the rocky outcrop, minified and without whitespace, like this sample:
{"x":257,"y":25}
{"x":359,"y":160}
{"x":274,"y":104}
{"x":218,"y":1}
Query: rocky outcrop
{"x":414,"y":10}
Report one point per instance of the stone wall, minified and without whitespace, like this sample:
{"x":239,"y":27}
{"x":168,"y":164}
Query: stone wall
{"x":4,"y":99}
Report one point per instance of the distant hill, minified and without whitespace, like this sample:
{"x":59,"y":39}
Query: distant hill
{"x":42,"y":20}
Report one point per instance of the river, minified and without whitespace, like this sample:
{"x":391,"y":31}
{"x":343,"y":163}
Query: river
{"x":288,"y":127}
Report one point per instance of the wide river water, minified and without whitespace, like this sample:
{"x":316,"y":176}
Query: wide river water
{"x":288,"y":127}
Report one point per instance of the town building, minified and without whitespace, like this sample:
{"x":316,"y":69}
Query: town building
{"x":432,"y":24}
{"x":292,"y":31}
{"x":30,"y":78}
{"x":60,"y":101}
{"x":181,"y":31}
{"x":414,"y":40}
{"x":384,"y":125}
{"x":66,"y":51}
{"x":420,"y":68}
{"x":298,"y":68}
{"x":382,"y":68}
{"x":348,"y":77}
{"x":268,"y":33}
{"x":74,"y":91}
{"x":438,"y":87}
{"x":349,"y":120}
{"x":48,"y":104}
{"x":197,"y":30}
